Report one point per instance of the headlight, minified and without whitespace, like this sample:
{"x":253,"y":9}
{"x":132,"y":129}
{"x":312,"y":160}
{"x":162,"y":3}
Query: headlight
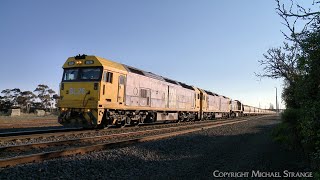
{"x":64,"y":109}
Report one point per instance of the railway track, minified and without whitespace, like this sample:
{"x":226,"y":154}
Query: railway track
{"x":53,"y":130}
{"x":21,"y":135}
{"x":19,"y":154}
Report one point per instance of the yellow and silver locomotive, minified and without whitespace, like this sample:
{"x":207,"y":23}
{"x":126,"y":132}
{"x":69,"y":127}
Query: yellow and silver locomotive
{"x":96,"y":92}
{"x":99,"y":92}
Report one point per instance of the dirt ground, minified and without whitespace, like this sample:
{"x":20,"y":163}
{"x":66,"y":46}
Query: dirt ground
{"x":28,"y":120}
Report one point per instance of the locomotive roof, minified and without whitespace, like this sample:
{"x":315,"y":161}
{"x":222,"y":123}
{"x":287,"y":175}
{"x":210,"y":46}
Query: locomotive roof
{"x":155,"y":76}
{"x":211,"y":93}
{"x":98,"y":61}
{"x":122,"y":68}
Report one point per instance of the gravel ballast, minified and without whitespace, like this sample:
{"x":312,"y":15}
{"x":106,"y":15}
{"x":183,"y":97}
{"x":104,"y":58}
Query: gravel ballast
{"x":59,"y":136}
{"x":244,"y":146}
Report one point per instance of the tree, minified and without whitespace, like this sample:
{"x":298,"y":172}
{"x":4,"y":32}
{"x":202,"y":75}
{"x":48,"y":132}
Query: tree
{"x":281,"y":62}
{"x":6,"y":95}
{"x":15,"y":94}
{"x":10,"y":97}
{"x":298,"y":63}
{"x":55,"y":98}
{"x":295,"y":14}
{"x":45,"y":94}
{"x":1,"y":103}
{"x":25,"y":99}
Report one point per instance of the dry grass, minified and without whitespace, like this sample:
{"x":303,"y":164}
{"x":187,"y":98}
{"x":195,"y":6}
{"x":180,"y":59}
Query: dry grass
{"x":26,"y":118}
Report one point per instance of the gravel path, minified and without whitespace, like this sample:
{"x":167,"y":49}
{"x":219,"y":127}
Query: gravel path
{"x":240,"y":147}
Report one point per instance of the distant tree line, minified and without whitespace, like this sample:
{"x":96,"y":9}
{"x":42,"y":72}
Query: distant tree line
{"x":42,"y":97}
{"x":297,"y":62}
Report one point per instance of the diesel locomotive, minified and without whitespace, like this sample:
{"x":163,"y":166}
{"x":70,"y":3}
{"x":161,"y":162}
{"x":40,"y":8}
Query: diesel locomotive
{"x":97,"y":92}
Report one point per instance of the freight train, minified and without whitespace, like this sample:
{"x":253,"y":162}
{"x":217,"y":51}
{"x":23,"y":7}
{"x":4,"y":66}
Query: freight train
{"x":96,"y":92}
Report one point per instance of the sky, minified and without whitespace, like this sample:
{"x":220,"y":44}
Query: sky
{"x":211,"y":44}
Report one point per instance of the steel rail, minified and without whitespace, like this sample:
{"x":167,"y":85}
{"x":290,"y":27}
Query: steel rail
{"x":10,"y":136}
{"x":95,"y":138}
{"x":85,"y":149}
{"x":37,"y":133}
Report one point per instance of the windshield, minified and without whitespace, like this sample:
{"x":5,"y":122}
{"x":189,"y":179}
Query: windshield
{"x":82,"y":74}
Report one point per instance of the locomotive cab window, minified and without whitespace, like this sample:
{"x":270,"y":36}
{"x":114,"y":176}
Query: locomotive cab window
{"x":82,"y":74}
{"x":70,"y":74}
{"x":90,"y":73}
{"x":108,"y":76}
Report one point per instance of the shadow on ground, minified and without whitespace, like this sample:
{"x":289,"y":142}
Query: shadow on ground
{"x":192,"y":156}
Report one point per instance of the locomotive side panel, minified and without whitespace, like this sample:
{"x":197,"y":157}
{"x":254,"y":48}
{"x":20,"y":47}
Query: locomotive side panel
{"x":225,"y":104}
{"x":213,"y":103}
{"x":234,"y":105}
{"x":142,"y":91}
{"x":145,"y":92}
{"x":246,"y":109}
{"x":216,"y":103}
{"x":185,"y":98}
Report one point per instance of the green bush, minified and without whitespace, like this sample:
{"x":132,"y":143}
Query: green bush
{"x":287,"y":131}
{"x":290,"y":116}
{"x":285,"y":134}
{"x":316,"y":175}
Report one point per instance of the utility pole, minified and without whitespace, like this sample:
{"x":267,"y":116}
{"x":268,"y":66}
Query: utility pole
{"x":276,"y":100}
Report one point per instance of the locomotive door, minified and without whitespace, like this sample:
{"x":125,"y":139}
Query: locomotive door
{"x":172,"y":98}
{"x":208,"y":105}
{"x":121,"y":88}
{"x":109,"y":86}
{"x":167,"y":98}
